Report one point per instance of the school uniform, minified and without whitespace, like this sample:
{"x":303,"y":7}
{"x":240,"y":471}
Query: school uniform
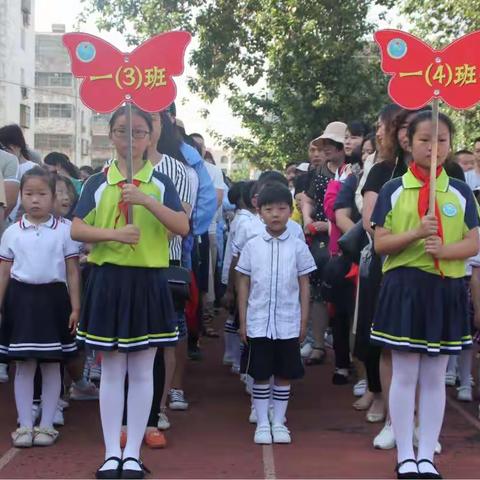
{"x":274,"y":265}
{"x":241,"y":216}
{"x":127,"y":302}
{"x":422,"y":305}
{"x":37,"y":307}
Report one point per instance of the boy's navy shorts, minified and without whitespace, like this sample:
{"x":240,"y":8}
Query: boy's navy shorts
{"x":265,"y":357}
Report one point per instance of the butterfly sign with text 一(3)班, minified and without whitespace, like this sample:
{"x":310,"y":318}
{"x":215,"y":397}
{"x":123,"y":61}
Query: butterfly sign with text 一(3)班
{"x":143,"y":77}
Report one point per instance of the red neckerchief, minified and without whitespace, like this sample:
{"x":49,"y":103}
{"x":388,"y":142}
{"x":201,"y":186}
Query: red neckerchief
{"x":122,"y":206}
{"x":423,"y":199}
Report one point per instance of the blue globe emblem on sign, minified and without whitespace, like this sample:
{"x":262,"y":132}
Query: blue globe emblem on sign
{"x":86,"y":52}
{"x":397,"y":48}
{"x":449,"y":210}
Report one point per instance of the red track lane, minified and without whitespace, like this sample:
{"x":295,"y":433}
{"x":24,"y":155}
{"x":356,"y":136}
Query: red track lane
{"x":214,"y":439}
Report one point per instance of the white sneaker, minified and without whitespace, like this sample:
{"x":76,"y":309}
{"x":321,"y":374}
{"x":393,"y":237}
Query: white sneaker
{"x":163,"y":422}
{"x":281,"y":434}
{"x":263,"y":435}
{"x":464,"y":394}
{"x":177,"y":400}
{"x":95,"y":372}
{"x":438,"y":446}
{"x":3,"y":373}
{"x":385,"y":440}
{"x":360,"y":388}
{"x":235,"y":369}
{"x":63,"y":404}
{"x":22,"y":437}
{"x":252,"y":418}
{"x":44,"y":437}
{"x":58,"y":419}
{"x":306,"y":350}
{"x":450,"y":379}
{"x":227,"y":359}
{"x":88,"y":392}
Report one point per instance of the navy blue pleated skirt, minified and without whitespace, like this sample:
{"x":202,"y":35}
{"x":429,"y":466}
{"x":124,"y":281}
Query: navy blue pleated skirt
{"x":127,"y":309}
{"x":422,"y":312}
{"x":35,"y":322}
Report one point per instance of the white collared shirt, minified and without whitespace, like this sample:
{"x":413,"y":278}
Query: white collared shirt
{"x":38,"y":252}
{"x":274,"y":265}
{"x":240,"y":217}
{"x":254,"y":226}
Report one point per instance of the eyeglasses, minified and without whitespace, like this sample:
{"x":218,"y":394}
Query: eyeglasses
{"x":137,"y":134}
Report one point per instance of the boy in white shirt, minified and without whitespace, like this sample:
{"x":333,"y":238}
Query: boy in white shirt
{"x":273,"y":298}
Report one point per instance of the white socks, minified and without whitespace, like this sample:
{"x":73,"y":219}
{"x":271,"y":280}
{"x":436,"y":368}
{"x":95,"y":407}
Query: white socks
{"x":139,"y":401}
{"x":431,"y":406}
{"x":112,"y":391}
{"x":23,"y":386}
{"x":429,"y":372}
{"x":405,"y":367}
{"x":261,"y":400}
{"x":51,"y":389}
{"x":281,"y":395}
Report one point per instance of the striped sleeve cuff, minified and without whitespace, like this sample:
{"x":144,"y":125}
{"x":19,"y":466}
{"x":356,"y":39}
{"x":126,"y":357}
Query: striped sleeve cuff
{"x":72,"y":255}
{"x":238,"y":268}
{"x":307,"y":270}
{"x":6,"y":259}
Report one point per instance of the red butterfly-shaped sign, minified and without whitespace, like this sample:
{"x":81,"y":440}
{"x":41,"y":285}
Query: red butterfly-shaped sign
{"x":143,"y":77}
{"x":420,"y":73}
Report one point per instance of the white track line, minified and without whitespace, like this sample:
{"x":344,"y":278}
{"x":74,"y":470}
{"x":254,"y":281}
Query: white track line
{"x":8,"y":457}
{"x":268,"y":462}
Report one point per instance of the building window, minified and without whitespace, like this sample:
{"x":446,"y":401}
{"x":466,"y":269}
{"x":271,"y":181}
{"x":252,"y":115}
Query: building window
{"x":24,"y":116}
{"x":101,"y":142}
{"x":85,"y":147}
{"x":53,"y":110}
{"x":45,"y":141}
{"x":22,"y":38}
{"x":53,"y":79}
{"x":26,"y":12}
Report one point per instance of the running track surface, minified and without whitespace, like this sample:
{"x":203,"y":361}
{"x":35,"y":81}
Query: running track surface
{"x":214,"y":439}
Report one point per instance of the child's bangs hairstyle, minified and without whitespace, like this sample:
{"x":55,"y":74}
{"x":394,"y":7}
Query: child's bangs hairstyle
{"x":249,"y":190}
{"x":135,"y":111}
{"x":271,"y":176}
{"x":274,"y":193}
{"x":427,"y":116}
{"x":42,"y":174}
{"x":235,"y":193}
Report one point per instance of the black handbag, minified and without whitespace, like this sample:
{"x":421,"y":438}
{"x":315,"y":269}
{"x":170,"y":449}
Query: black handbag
{"x":179,"y":282}
{"x":319,"y":251}
{"x":352,"y":242}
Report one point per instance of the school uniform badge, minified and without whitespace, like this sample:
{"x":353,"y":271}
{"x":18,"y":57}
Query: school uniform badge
{"x":449,"y":210}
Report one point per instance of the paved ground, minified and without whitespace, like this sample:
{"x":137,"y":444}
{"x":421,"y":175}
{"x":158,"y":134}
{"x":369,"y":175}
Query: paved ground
{"x":214,"y":439}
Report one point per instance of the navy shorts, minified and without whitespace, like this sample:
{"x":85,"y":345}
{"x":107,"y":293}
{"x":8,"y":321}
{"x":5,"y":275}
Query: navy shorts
{"x":266,"y":357}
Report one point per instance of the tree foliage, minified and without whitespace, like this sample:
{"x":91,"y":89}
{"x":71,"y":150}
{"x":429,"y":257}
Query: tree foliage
{"x":289,"y":66}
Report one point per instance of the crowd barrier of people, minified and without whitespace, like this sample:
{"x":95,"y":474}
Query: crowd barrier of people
{"x":337,"y":252}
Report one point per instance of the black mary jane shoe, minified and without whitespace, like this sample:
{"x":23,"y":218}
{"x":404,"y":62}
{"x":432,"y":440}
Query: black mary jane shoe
{"x":127,"y":473}
{"x":407,"y":474}
{"x":428,"y":474}
{"x":111,"y":472}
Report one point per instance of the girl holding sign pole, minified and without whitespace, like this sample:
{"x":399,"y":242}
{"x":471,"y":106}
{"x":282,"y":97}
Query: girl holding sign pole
{"x":127,"y":310}
{"x":422,"y":308}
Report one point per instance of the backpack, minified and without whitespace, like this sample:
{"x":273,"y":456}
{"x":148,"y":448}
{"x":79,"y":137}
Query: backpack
{"x":206,"y":202}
